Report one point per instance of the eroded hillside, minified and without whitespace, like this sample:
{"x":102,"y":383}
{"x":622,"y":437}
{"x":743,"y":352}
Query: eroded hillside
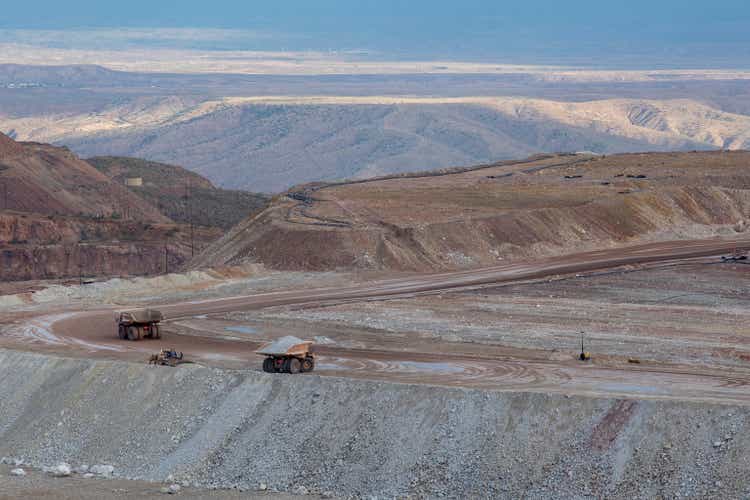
{"x":270,"y":143}
{"x":485,"y":215}
{"x":60,"y":217}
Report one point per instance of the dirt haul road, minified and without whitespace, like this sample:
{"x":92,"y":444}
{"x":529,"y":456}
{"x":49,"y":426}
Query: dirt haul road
{"x":93,"y":333}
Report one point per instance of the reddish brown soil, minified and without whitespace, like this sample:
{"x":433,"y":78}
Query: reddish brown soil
{"x":607,"y":431}
{"x":44,"y":179}
{"x":60,"y":217}
{"x":8,"y":146}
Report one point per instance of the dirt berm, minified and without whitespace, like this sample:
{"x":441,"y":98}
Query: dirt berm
{"x":240,"y":428}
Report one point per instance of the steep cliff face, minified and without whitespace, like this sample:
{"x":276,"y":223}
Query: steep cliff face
{"x":482,"y":216}
{"x":60,"y":217}
{"x":49,"y":247}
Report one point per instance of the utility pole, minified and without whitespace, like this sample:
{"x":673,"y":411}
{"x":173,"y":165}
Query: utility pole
{"x":189,"y":204}
{"x":166,"y":259}
{"x":80,"y":266}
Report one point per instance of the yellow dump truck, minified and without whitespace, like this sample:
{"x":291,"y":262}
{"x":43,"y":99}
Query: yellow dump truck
{"x":138,"y":323}
{"x":288,"y":355}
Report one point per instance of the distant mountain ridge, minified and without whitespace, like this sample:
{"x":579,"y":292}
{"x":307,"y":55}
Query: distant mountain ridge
{"x":268,"y":144}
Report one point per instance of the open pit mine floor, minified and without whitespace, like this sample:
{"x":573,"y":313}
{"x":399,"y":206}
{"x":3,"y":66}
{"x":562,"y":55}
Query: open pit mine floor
{"x":205,"y":331}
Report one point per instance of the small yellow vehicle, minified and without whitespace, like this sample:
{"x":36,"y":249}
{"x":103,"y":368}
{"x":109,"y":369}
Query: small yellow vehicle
{"x":166,"y":357}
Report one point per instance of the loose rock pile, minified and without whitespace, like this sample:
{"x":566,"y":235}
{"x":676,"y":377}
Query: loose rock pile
{"x":313,"y":435}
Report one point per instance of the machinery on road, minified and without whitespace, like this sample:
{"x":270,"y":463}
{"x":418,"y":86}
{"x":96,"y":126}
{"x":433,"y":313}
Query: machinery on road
{"x":288,"y":355}
{"x":737,"y":256}
{"x":585,"y":355}
{"x":166,"y":357}
{"x":138,"y":323}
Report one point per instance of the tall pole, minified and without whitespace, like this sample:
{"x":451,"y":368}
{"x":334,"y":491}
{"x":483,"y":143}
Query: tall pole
{"x":190,"y":217}
{"x":80,"y":265}
{"x":166,"y":259}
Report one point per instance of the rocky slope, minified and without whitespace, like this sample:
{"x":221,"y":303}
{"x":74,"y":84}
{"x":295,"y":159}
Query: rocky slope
{"x":180,"y":194}
{"x":481,"y":216}
{"x":50,"y":180}
{"x":242,"y":428}
{"x":60,"y":217}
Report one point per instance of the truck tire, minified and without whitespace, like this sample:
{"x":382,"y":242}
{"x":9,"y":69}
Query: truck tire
{"x":121,"y":332}
{"x":155,"y":332}
{"x":308,"y":365}
{"x":268,"y":365}
{"x":295,"y":366}
{"x":285,"y":365}
{"x":133,"y":333}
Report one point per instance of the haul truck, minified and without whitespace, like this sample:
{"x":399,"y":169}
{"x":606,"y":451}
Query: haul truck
{"x":138,"y":323}
{"x":288,"y":355}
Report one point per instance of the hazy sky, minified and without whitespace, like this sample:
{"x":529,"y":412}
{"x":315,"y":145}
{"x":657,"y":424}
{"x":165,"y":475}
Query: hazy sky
{"x":617,"y":32}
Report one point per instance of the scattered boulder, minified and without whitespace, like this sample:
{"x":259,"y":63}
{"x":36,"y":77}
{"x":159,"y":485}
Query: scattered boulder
{"x":172,"y":489}
{"x":102,"y":470}
{"x":61,"y":470}
{"x":18,"y":472}
{"x":300,"y":490}
{"x":262,"y":486}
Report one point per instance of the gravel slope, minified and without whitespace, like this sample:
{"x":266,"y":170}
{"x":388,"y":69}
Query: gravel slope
{"x":223,"y":428}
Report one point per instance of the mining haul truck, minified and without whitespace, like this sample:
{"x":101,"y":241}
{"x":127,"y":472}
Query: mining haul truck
{"x":288,"y":355}
{"x":138,"y":324}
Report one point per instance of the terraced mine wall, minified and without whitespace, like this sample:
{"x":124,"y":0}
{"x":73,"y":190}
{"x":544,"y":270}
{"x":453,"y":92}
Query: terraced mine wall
{"x":478,"y":217}
{"x":241,"y":428}
{"x":33,"y":246}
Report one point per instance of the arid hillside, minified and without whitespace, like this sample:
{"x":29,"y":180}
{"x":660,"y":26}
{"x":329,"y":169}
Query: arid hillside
{"x":481,"y":216}
{"x":270,"y":143}
{"x":60,"y":218}
{"x":50,"y":180}
{"x":180,"y":194}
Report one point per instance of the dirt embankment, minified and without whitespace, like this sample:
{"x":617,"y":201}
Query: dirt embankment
{"x":242,"y":428}
{"x":60,"y":218}
{"x":545,"y":206}
{"x":34,"y":246}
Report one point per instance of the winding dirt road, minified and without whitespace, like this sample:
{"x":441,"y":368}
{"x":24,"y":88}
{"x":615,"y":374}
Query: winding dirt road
{"x":93,"y":333}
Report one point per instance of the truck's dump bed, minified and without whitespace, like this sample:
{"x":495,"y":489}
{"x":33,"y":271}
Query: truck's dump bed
{"x":286,"y":346}
{"x":141,"y":316}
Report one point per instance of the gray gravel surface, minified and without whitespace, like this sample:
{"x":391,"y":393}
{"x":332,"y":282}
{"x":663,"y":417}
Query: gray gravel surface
{"x":211,"y":428}
{"x":38,"y":485}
